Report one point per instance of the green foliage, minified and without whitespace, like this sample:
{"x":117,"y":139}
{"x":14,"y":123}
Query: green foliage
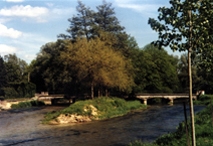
{"x":204,"y":99}
{"x":174,"y":23}
{"x":99,"y":65}
{"x":15,"y":68}
{"x":19,"y":90}
{"x":3,"y":76}
{"x":27,"y":104}
{"x":108,"y":107}
{"x":49,"y":72}
{"x":186,"y":26}
{"x":140,"y":143}
{"x":14,"y":83}
{"x":50,"y":116}
{"x":155,"y":70}
{"x":88,"y":23}
{"x":10,"y":92}
{"x":105,"y":107}
{"x":183,"y":74}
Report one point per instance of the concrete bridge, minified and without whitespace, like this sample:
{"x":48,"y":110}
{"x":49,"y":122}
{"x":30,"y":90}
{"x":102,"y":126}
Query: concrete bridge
{"x":170,"y":97}
{"x":53,"y":98}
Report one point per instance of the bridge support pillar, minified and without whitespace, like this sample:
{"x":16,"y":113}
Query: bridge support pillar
{"x":145,"y":101}
{"x":171,"y":101}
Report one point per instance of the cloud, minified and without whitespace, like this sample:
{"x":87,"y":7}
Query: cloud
{"x":147,"y":8}
{"x":25,"y":11}
{"x":5,"y":49}
{"x":140,"y":8}
{"x":14,"y":1}
{"x":9,"y":32}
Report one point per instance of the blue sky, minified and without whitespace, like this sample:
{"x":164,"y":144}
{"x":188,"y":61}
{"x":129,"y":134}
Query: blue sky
{"x":26,"y":25}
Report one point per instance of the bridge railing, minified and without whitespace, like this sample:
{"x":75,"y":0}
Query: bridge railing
{"x":170,"y":96}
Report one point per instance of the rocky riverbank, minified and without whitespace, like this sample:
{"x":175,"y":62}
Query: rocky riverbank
{"x":75,"y":118}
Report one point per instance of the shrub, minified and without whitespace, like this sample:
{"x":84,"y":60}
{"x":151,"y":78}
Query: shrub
{"x":19,"y":90}
{"x":27,"y":104}
{"x":50,"y":116}
{"x":140,"y":143}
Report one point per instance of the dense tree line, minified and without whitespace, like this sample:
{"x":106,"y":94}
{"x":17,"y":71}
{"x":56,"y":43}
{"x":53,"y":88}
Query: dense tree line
{"x":97,"y":57}
{"x":14,"y":78}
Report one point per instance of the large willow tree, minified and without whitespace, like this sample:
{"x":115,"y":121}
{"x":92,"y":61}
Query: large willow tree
{"x":186,"y":26}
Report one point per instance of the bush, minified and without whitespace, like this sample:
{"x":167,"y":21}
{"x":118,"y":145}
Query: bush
{"x":140,"y":143}
{"x":204,"y":99}
{"x":19,"y":90}
{"x":10,"y":92}
{"x":27,"y":104}
{"x":50,"y":116}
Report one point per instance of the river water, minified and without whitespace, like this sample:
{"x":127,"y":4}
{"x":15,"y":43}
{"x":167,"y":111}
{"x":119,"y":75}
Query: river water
{"x":23,"y":128}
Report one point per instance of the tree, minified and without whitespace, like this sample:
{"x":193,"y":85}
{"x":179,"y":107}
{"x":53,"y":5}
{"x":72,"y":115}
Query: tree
{"x":15,"y":68}
{"x":98,"y":65}
{"x":183,"y":74}
{"x":90,"y":24}
{"x":16,"y":75}
{"x":3,"y":75}
{"x":163,"y":73}
{"x":80,"y":25}
{"x":186,"y":25}
{"x":49,"y":73}
{"x":105,"y":19}
{"x":156,"y":71}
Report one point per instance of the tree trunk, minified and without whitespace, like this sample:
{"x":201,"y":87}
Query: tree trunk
{"x":99,"y":92}
{"x":190,"y":82}
{"x":28,"y":77}
{"x":106,"y":92}
{"x":92,"y":90}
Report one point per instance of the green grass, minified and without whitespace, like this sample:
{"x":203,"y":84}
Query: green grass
{"x":140,"y":143}
{"x":27,"y":104}
{"x":204,"y":99}
{"x":106,"y":107}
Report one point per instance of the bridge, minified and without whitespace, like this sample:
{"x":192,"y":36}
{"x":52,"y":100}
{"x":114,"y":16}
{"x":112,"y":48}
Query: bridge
{"x":170,"y":97}
{"x":53,"y":98}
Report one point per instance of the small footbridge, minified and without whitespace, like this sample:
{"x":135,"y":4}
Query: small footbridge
{"x":170,"y":97}
{"x":53,"y":98}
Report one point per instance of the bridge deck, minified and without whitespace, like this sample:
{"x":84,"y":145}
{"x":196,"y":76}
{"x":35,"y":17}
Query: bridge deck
{"x":170,"y":96}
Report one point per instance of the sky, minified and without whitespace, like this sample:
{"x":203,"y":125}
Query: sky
{"x":27,"y":25}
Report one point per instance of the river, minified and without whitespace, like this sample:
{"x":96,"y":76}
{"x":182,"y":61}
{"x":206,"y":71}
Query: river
{"x":23,"y":128}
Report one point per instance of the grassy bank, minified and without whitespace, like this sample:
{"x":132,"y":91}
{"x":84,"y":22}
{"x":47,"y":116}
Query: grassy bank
{"x":26,"y":104}
{"x":98,"y":108}
{"x":203,"y":129}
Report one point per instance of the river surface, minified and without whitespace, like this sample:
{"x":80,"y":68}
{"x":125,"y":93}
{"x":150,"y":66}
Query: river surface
{"x":23,"y":128}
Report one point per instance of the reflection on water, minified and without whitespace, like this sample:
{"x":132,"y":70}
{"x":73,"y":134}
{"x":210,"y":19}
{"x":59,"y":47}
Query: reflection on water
{"x":24,"y":128}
